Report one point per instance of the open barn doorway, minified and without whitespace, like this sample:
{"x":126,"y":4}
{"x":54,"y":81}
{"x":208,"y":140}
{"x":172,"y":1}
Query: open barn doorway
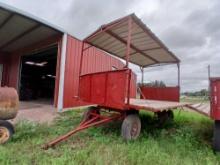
{"x":38,"y":75}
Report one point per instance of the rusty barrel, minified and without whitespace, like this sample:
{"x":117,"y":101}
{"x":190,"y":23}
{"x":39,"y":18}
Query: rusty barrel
{"x":9,"y":103}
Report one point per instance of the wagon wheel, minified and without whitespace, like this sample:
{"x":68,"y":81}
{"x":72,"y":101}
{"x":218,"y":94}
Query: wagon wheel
{"x":216,"y":136}
{"x":88,"y":113}
{"x":165,"y":117}
{"x":131,"y":127}
{"x":6,"y":131}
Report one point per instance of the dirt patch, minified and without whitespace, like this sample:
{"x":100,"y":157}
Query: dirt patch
{"x":35,"y":112}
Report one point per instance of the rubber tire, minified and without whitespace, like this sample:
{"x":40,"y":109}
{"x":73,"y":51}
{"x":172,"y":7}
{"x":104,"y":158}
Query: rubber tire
{"x":9,"y":127}
{"x":127,"y":124}
{"x":87,"y":114}
{"x":216,"y":136}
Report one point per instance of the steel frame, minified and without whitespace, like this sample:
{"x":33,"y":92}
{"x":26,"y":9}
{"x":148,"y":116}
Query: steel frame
{"x":95,"y":120}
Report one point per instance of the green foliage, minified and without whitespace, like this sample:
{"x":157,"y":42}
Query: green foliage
{"x":155,"y":83}
{"x":203,"y":92}
{"x":186,"y":141}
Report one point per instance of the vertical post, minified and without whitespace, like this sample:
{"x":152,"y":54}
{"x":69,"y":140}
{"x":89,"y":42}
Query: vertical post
{"x":80,"y":66}
{"x":178,"y":66}
{"x":209,"y":71}
{"x":81,"y":59}
{"x":142,"y":75}
{"x":128,"y":42}
{"x":209,"y":76}
{"x":62,"y":73}
{"x":128,"y":56}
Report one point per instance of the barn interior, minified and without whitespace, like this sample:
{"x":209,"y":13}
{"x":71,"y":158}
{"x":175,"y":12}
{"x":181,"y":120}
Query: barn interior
{"x":37,"y":75}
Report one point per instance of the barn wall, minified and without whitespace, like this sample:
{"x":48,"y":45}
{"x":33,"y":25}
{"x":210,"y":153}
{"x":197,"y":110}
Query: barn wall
{"x":94,"y":60}
{"x":10,"y":68}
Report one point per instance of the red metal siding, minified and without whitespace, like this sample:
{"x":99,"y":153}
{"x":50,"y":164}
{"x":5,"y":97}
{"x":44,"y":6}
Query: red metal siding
{"x":215,"y":99}
{"x":161,"y":93}
{"x":10,"y":70}
{"x":94,"y":60}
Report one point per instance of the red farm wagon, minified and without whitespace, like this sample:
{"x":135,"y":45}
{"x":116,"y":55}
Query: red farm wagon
{"x":115,"y":91}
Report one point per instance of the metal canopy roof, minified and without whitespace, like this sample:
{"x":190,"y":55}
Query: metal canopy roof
{"x":145,"y":48}
{"x":19,"y":29}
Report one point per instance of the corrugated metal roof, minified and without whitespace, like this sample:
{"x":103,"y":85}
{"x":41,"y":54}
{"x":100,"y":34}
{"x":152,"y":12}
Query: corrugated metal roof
{"x":146,"y":48}
{"x":19,"y":29}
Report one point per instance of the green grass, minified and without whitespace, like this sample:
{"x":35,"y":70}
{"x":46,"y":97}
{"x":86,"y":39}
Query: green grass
{"x":186,"y":141}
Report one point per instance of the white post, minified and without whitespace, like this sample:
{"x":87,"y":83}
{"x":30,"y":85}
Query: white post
{"x":62,"y":72}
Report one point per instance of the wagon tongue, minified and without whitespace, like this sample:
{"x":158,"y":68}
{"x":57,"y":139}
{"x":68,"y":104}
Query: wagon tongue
{"x":94,"y":119}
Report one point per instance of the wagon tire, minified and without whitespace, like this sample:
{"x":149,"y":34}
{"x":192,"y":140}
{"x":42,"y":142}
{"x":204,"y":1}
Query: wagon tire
{"x":216,"y":136}
{"x":131,"y":127}
{"x":6,"y":131}
{"x":87,"y":114}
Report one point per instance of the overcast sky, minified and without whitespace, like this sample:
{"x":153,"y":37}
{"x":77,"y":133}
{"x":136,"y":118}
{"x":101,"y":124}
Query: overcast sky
{"x":189,"y":28}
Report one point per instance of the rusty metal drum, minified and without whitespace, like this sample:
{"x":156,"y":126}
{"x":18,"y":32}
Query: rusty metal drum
{"x":9,"y":103}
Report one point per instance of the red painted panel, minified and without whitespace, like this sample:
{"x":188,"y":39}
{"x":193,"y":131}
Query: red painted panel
{"x":94,"y":60}
{"x":97,"y":87}
{"x":116,"y":88}
{"x":107,"y":89}
{"x":133,"y":85}
{"x":161,"y":93}
{"x":215,"y":99}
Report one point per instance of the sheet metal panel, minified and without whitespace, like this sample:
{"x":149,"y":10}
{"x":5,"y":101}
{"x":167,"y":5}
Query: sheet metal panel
{"x":108,"y":89}
{"x":160,"y":93}
{"x":215,"y":98}
{"x":28,"y":30}
{"x":94,"y":60}
{"x":142,"y":42}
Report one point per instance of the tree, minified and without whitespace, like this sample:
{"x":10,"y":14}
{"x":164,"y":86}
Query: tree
{"x":155,"y":83}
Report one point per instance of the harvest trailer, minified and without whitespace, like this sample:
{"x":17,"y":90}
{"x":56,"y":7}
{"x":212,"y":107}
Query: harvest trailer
{"x":114,"y":92}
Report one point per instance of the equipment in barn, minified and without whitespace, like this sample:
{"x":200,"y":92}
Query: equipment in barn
{"x":8,"y":110}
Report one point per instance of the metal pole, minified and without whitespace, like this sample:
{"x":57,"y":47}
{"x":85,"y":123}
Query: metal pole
{"x":80,"y":66}
{"x":142,"y":75}
{"x":209,"y":76}
{"x":81,"y":59}
{"x":209,"y":71}
{"x":128,"y":42}
{"x":178,"y":66}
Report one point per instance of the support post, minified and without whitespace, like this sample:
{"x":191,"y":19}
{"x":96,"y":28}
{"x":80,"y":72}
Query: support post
{"x":80,"y":65}
{"x":178,"y":66}
{"x":62,"y":73}
{"x":142,"y":75}
{"x":128,"y":42}
{"x":209,"y":76}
